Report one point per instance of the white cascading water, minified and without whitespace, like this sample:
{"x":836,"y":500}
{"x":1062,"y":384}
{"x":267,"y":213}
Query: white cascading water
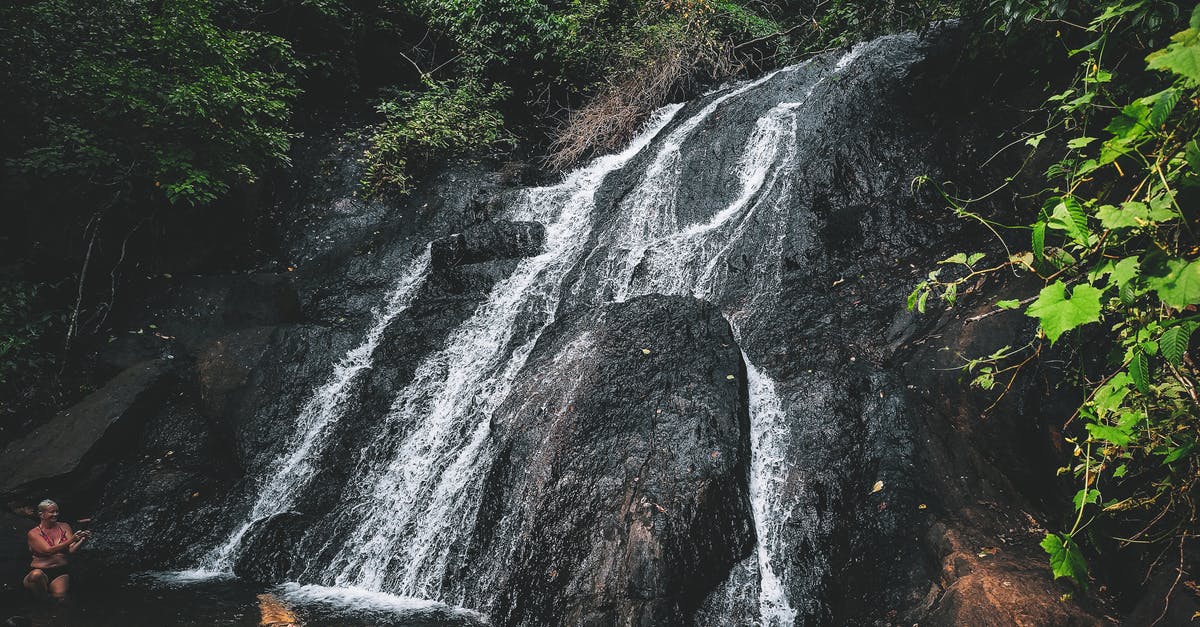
{"x":418,"y":484}
{"x":291,"y":472}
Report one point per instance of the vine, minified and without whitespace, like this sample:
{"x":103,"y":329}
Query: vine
{"x":1114,"y":243}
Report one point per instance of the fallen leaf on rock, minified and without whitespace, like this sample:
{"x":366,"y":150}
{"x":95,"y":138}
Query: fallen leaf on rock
{"x":922,"y":506}
{"x":645,"y":351}
{"x":877,"y":487}
{"x":730,"y":377}
{"x":988,"y":551}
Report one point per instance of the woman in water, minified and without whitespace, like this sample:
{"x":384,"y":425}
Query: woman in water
{"x":50,"y":542}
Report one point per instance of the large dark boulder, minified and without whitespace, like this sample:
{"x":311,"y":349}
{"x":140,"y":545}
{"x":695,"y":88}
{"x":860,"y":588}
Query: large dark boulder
{"x":268,"y":554}
{"x":620,"y":492}
{"x":79,"y":440}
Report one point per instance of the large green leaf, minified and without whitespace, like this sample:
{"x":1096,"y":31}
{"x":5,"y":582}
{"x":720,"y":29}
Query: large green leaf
{"x":1065,"y":558}
{"x":1181,"y":57}
{"x":1059,"y":314}
{"x":1108,"y":434}
{"x":1180,"y":286}
{"x":1068,"y":215}
{"x":1131,"y":122}
{"x":1128,"y":215}
{"x":1039,"y":241}
{"x":1139,"y":369}
{"x":1174,"y":342}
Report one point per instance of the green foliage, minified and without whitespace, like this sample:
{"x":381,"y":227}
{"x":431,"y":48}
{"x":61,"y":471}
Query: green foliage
{"x":1065,"y":558}
{"x":421,"y":127}
{"x":25,"y":325}
{"x":148,"y":98}
{"x":1117,"y":225}
{"x":1058,"y":314}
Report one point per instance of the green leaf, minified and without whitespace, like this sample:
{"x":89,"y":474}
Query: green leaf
{"x":1192,"y":154}
{"x":1131,"y":122}
{"x":1059,"y":314}
{"x":1139,"y":369}
{"x":1080,"y":142}
{"x":1065,"y":558}
{"x":1130,"y":214}
{"x":955,"y":258}
{"x":1035,"y":140}
{"x":1162,"y":209}
{"x":1178,"y":452}
{"x":1125,"y":271}
{"x":1161,"y":105}
{"x":1086,"y":497}
{"x":1182,"y":57}
{"x":1008,"y":304}
{"x":974,"y":258}
{"x":1039,"y":241}
{"x":1069,"y":216}
{"x":1108,"y":434}
{"x":1108,"y":397}
{"x":1120,"y":471}
{"x":1174,"y":343}
{"x":1180,"y":286}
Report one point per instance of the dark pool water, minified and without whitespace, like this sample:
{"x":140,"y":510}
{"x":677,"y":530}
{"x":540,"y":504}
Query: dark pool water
{"x":168,"y":600}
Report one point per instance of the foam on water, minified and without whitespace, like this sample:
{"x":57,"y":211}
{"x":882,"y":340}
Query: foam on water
{"x":419,"y":483}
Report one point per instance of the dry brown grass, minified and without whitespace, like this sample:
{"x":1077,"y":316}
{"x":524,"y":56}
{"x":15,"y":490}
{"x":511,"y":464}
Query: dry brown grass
{"x":612,"y":117}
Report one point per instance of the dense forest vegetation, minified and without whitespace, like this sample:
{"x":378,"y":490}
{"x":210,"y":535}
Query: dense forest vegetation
{"x":133,"y":131}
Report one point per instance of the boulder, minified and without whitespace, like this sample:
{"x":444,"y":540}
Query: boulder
{"x":488,"y":241}
{"x":79,"y":437}
{"x":267,"y":554}
{"x":620,"y":494}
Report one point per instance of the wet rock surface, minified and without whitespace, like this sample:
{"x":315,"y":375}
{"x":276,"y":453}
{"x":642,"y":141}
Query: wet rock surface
{"x":70,"y":445}
{"x":620,"y":494}
{"x":486,"y":242}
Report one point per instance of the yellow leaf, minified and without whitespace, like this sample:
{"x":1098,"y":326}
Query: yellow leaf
{"x":877,"y":487}
{"x":645,"y":351}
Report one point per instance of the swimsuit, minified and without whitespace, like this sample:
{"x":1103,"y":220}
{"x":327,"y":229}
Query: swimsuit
{"x":54,"y":572}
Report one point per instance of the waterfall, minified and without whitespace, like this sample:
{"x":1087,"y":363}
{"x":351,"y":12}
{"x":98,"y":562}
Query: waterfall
{"x":416,"y":492}
{"x":290,"y":473}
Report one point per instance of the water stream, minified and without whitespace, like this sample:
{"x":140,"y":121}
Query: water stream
{"x":417,"y":484}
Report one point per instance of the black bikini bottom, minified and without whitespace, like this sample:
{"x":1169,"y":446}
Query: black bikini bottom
{"x":54,"y":572}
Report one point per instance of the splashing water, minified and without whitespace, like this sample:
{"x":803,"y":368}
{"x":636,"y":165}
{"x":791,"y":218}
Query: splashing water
{"x":418,"y":487}
{"x":293,"y":469}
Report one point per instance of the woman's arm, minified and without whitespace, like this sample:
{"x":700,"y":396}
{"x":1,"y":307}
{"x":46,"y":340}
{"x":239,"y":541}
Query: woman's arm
{"x":78,"y":539}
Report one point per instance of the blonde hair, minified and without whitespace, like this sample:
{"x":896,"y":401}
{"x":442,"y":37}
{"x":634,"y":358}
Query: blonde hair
{"x":45,"y":505}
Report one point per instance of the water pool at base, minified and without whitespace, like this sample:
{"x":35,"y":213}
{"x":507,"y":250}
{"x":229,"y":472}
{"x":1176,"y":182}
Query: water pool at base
{"x":167,"y":600}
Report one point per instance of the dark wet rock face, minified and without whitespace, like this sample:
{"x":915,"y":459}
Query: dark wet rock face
{"x":267,"y":557}
{"x":487,"y":242}
{"x":619,"y":496}
{"x":73,"y":442}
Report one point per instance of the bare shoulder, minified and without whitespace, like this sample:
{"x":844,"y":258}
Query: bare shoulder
{"x":32,"y":533}
{"x":65,"y":526}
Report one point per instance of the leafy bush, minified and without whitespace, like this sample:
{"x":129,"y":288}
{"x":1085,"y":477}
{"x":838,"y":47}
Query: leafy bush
{"x":1114,"y":241}
{"x":25,"y":327}
{"x":143,"y":97}
{"x":422,"y":127}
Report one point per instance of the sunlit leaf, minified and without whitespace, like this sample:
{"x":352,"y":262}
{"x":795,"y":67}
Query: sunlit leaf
{"x":1058,"y":314}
